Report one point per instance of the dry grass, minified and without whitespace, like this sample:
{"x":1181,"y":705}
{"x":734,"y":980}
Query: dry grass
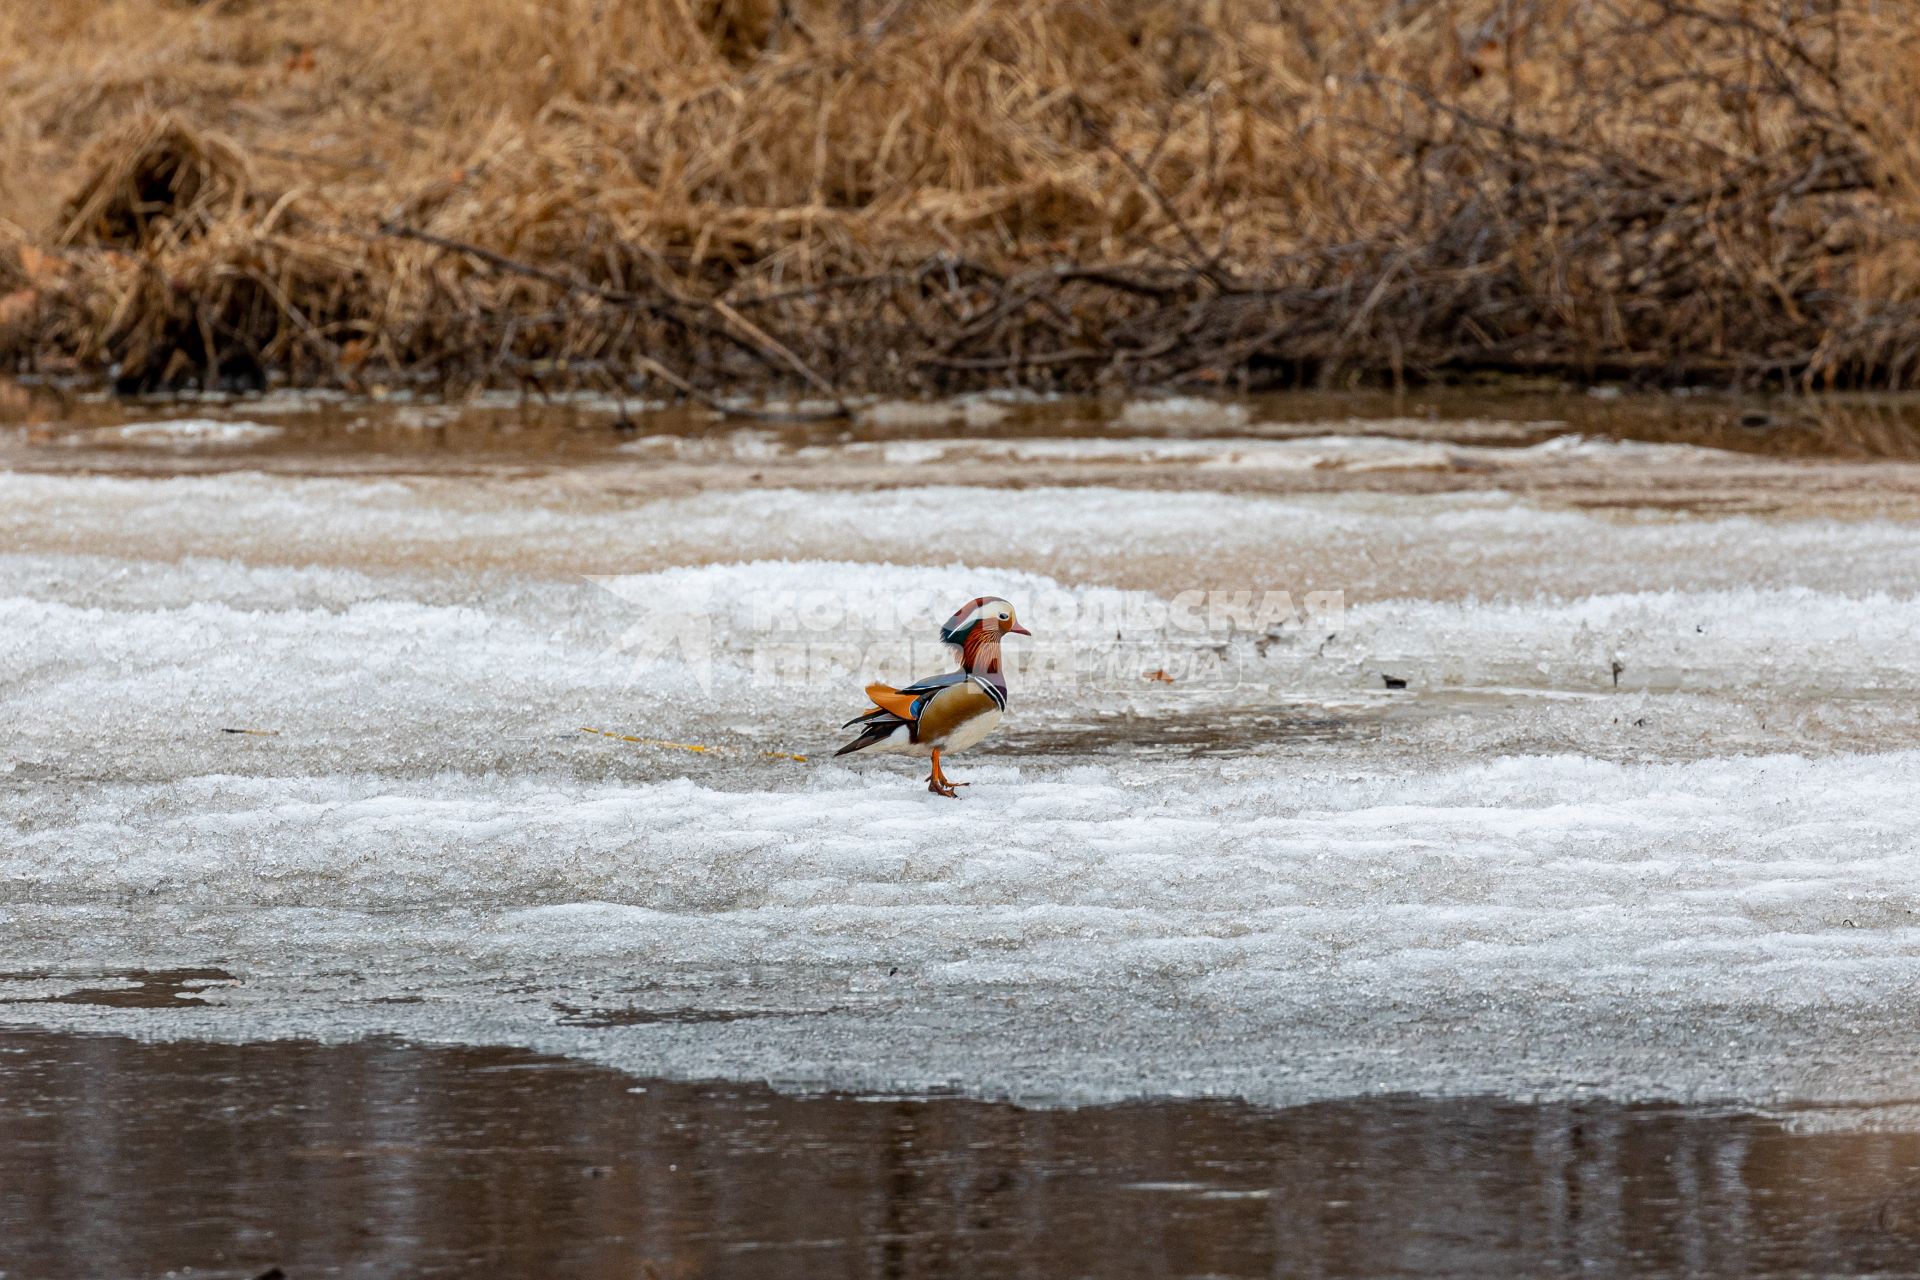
{"x":927,"y":194}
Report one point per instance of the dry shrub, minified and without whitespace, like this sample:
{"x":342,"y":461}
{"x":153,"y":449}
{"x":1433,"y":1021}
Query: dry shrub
{"x":19,"y":300}
{"x":928,"y":194}
{"x":161,"y":178}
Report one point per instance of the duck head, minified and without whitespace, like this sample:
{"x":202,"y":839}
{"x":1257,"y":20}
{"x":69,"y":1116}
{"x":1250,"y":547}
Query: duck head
{"x":982,"y":618}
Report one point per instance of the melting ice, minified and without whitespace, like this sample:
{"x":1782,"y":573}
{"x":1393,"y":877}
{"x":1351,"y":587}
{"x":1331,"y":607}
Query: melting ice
{"x":1645,"y":819}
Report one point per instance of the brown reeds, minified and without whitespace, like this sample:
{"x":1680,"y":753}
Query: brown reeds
{"x":830,"y":196}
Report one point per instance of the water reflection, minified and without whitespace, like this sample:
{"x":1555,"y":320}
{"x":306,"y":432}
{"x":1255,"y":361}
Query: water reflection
{"x":130,"y":1159}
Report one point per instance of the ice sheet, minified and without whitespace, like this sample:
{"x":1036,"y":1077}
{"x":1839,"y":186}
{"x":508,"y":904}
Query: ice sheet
{"x":1523,"y":925}
{"x":192,"y":432}
{"x":1350,"y":452}
{"x":119,"y":668}
{"x":1642,"y":820}
{"x":1372,"y":546}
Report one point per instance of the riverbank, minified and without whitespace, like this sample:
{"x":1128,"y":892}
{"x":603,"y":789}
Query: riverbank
{"x":837,"y":197}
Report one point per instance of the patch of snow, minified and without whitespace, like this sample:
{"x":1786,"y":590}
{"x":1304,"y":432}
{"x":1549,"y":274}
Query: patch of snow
{"x":193,"y":432}
{"x":422,"y":417}
{"x":1183,"y":411}
{"x":1600,"y":449}
{"x":974,"y":411}
{"x":1309,"y":453}
{"x":289,"y":401}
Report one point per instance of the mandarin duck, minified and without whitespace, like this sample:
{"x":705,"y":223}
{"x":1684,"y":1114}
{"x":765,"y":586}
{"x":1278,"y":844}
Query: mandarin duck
{"x":948,"y":712}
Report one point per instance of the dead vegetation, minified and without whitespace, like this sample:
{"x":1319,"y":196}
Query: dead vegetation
{"x":828,"y":196}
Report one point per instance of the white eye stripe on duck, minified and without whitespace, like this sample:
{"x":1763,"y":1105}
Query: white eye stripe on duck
{"x":977,"y":610}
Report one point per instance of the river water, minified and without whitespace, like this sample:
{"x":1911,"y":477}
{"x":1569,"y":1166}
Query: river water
{"x":375,"y":1159}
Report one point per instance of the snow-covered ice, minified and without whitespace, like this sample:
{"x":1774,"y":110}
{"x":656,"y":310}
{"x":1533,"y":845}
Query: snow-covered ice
{"x":1542,"y":925}
{"x":192,"y":432}
{"x":1644,"y":821}
{"x":1371,"y":545}
{"x":1358,"y":453}
{"x":1183,"y":411}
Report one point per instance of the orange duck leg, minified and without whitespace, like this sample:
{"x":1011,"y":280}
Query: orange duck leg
{"x":938,"y":782}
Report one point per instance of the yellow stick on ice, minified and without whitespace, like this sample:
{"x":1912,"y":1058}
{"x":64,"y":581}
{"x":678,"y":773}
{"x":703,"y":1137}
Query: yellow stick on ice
{"x":684,"y":746}
{"x":645,"y":742}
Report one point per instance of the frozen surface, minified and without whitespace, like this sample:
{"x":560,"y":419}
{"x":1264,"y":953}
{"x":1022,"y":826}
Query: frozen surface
{"x":1300,"y":453}
{"x":1369,"y":545}
{"x":1534,"y":925}
{"x":194,"y":432}
{"x":1182,"y":411}
{"x":1643,"y":820}
{"x":133,"y":671}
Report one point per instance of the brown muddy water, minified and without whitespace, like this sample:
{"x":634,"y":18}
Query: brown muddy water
{"x":120,"y":1158}
{"x":1845,"y":456}
{"x":319,"y":431}
{"x":1854,"y":426}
